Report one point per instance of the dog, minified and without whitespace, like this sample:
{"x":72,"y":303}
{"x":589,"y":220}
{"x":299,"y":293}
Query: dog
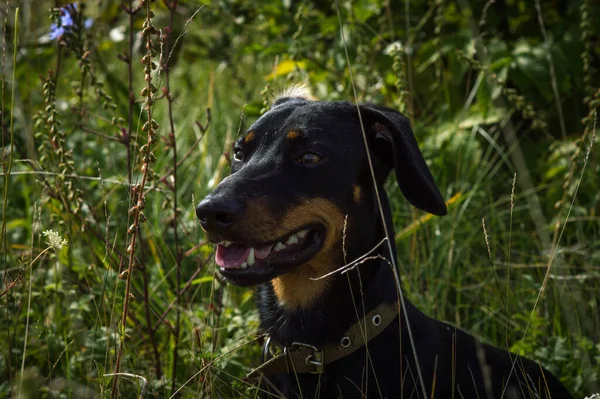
{"x":300,"y":203}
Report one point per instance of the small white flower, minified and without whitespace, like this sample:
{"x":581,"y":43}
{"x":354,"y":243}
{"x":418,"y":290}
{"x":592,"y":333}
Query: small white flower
{"x":54,"y":239}
{"x":392,"y":48}
{"x":594,"y":396}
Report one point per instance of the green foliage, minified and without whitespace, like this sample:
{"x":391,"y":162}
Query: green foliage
{"x":489,"y":95}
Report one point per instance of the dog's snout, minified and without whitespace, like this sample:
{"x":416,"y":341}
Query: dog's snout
{"x":217,"y":214}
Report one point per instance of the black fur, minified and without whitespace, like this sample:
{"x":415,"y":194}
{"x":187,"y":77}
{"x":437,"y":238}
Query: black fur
{"x":453,"y":363}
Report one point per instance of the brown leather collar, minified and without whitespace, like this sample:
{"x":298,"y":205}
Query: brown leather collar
{"x":300,"y":358}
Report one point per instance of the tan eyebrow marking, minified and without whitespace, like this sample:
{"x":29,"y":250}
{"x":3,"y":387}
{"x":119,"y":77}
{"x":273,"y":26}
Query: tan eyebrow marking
{"x":293,"y":134}
{"x":249,"y":137}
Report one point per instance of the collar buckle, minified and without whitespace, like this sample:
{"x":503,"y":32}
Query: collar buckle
{"x":316,"y":359}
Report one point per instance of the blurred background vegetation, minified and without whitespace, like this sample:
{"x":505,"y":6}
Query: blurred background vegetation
{"x":502,"y":96}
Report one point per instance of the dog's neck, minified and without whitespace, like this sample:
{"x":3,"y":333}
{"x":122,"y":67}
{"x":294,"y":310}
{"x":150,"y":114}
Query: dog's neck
{"x":348,"y":297}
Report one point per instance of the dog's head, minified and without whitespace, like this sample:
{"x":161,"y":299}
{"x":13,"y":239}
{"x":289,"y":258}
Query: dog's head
{"x":300,"y":200}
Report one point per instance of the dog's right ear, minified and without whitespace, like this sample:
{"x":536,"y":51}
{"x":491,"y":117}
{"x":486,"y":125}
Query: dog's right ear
{"x":394,"y":144}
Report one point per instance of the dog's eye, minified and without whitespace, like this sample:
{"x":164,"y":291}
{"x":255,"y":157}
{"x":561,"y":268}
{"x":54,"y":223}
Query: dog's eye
{"x":238,"y":154}
{"x":309,"y":157}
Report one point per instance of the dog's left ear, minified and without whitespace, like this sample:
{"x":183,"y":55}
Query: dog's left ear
{"x":394,"y":144}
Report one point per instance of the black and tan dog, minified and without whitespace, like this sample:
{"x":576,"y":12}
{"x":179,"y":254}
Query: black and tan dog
{"x":300,"y":203}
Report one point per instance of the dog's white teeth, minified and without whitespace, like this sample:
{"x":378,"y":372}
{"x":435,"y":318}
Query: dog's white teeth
{"x":278,"y":247}
{"x":262,"y":253}
{"x":293,"y":239}
{"x":226,"y":243}
{"x":250,"y":259}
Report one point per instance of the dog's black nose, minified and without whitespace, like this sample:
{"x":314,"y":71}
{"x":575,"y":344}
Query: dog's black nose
{"x":216,"y":214}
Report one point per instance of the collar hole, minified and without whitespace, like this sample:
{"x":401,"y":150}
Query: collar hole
{"x":376,"y":320}
{"x":345,"y":342}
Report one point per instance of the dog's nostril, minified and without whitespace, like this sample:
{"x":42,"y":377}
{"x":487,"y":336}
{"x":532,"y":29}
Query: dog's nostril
{"x":201,"y":215}
{"x":224,"y":218}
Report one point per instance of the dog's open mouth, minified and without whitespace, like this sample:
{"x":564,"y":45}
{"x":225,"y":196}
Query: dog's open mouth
{"x":244,"y":264}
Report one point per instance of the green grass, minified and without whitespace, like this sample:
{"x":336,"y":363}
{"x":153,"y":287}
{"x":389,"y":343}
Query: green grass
{"x":478,"y":87}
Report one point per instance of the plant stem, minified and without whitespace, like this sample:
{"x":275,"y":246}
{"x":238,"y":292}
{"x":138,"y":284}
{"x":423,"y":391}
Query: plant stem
{"x":148,"y":311}
{"x":172,"y":6}
{"x":132,"y":13}
{"x":3,"y":237}
{"x":138,"y":191}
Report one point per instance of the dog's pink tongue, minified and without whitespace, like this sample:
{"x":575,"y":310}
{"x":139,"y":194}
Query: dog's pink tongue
{"x":263,"y":252}
{"x":231,"y":257}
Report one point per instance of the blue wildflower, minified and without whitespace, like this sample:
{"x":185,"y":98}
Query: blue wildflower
{"x":56,"y":31}
{"x":66,"y":22}
{"x":66,"y":19}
